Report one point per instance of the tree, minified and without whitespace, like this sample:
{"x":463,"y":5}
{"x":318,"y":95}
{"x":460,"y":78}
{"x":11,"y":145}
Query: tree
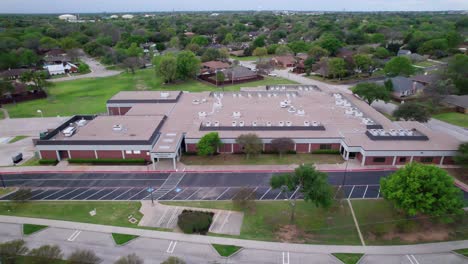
{"x":200,"y":41}
{"x":244,"y":199}
{"x":308,"y":64}
{"x":250,"y":143}
{"x":363,"y":63}
{"x":317,"y":52}
{"x":220,"y":78}
{"x":259,"y":41}
{"x":282,"y":50}
{"x":81,"y":256}
{"x":439,"y":89}
{"x":412,"y":112}
{"x":208,"y":144}
{"x":46,"y":254}
{"x":462,"y":156}
{"x":166,"y":67}
{"x":337,"y":67}
{"x":187,"y":65}
{"x":457,"y":71}
{"x":134,"y":50}
{"x":307,"y":180}
{"x":330,"y":43}
{"x":423,"y":189}
{"x":299,"y":46}
{"x":260,"y":52}
{"x":132,"y":63}
{"x":10,"y":250}
{"x":83,"y":68}
{"x":399,"y":66}
{"x":282,"y":145}
{"x":228,"y":39}
{"x":173,"y":260}
{"x":212,"y":54}
{"x":38,"y":78}
{"x":130,"y":259}
{"x":371,"y":92}
{"x":6,"y":87}
{"x":381,"y":53}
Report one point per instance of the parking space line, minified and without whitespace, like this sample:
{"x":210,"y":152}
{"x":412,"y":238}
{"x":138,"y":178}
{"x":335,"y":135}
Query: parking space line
{"x":188,"y":198}
{"x":222,"y":193}
{"x":123,"y":193}
{"x":337,"y":191}
{"x":225,"y":220}
{"x":269,"y":189}
{"x":137,"y":193}
{"x":86,"y":189}
{"x":74,"y":235}
{"x":364,"y":195}
{"x":109,"y":193}
{"x":179,"y":193}
{"x":31,"y":198}
{"x":294,"y":193}
{"x":351,"y":191}
{"x":253,"y":192}
{"x":72,"y":190}
{"x":94,"y":193}
{"x":278,"y":195}
{"x":415,"y":260}
{"x":412,"y":259}
{"x":207,"y":193}
{"x":378,"y":194}
{"x":285,"y":257}
{"x":171,"y":247}
{"x":51,"y":194}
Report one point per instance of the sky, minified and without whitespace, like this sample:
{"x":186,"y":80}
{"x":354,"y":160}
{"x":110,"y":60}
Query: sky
{"x":98,"y":6}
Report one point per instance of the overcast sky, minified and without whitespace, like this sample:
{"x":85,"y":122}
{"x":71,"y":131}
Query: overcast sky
{"x":89,"y":6}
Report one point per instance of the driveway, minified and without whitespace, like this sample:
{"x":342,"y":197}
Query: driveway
{"x":97,"y":70}
{"x":28,"y":126}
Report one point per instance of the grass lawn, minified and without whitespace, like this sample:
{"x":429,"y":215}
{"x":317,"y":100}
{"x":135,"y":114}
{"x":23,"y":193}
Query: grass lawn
{"x":269,"y":221}
{"x":121,"y":239}
{"x":30,"y":229}
{"x":108,"y":213}
{"x":32,"y":162}
{"x":4,"y":191}
{"x":225,"y":250}
{"x":463,"y":252}
{"x":348,"y":258}
{"x":262,"y":159}
{"x":453,"y":118}
{"x":89,"y":96}
{"x":381,"y":224}
{"x":16,"y":139}
{"x":2,"y":115}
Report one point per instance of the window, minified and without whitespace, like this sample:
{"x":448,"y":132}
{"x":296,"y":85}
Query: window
{"x":128,"y":152}
{"x":379,"y":159}
{"x":403,"y":159}
{"x":136,"y":152}
{"x":325,"y":146}
{"x":427,"y":159}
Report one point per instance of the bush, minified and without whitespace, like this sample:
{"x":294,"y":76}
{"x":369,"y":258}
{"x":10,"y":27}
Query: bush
{"x":245,"y":199}
{"x":48,"y":162}
{"x":108,"y":161}
{"x":326,"y":151}
{"x":195,"y":221}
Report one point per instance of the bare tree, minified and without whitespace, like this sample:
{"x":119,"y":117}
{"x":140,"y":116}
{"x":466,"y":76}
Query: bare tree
{"x":46,"y":254}
{"x":173,"y":260}
{"x":83,"y":257}
{"x":282,"y":145}
{"x":130,"y":259}
{"x":251,"y":144}
{"x":132,"y":63}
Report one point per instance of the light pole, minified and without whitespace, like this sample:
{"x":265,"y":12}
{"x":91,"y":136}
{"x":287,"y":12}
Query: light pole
{"x":40,"y":112}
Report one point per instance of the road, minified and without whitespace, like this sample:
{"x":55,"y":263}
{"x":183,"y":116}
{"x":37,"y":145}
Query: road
{"x":97,"y":70}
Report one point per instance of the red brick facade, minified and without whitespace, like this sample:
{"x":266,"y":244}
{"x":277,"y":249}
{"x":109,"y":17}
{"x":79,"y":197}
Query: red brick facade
{"x":82,"y":154}
{"x":49,"y":154}
{"x":302,"y":148}
{"x":109,"y":154}
{"x":143,"y":155}
{"x":225,"y":148}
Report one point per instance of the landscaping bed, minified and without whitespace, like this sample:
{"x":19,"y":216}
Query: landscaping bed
{"x":29,"y":229}
{"x":226,"y":250}
{"x":195,"y":222}
{"x":121,"y":239}
{"x":108,"y":161}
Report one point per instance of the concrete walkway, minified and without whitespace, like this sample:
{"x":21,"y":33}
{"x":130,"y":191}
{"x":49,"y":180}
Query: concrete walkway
{"x":248,"y":244}
{"x":6,"y":115}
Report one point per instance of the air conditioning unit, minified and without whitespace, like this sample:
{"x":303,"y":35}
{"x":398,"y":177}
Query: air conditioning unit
{"x":281,"y":123}
{"x":201,"y":114}
{"x":288,"y":123}
{"x":216,"y":123}
{"x":254,"y":123}
{"x":234,"y":123}
{"x":164,"y":94}
{"x":268,"y":124}
{"x":117,"y":127}
{"x":208,"y":123}
{"x":306,"y":123}
{"x":241,"y":123}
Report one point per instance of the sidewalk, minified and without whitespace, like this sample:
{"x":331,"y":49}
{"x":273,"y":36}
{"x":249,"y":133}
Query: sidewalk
{"x":249,"y":244}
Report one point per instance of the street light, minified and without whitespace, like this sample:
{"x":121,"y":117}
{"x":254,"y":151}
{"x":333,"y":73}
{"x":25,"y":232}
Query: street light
{"x":40,"y":112}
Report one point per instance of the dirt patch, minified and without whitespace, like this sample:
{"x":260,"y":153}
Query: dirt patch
{"x":290,"y":233}
{"x":141,"y":87}
{"x":439,"y":234}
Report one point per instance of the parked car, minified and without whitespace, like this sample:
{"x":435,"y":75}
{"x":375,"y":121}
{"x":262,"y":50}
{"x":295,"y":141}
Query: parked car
{"x":273,"y":74}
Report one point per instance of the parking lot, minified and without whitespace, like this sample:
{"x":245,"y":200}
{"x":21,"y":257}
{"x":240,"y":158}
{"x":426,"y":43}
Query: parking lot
{"x":187,"y":193}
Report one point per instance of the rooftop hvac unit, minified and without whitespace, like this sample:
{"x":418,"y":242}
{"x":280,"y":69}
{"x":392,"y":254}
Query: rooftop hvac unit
{"x":234,"y":95}
{"x":254,"y":123}
{"x":216,"y":123}
{"x":358,"y":114}
{"x":339,"y":102}
{"x":81,"y":122}
{"x":249,"y":95}
{"x":382,"y":132}
{"x":201,"y":114}
{"x":208,"y":123}
{"x":275,"y":95}
{"x":117,"y":127}
{"x":288,"y":95}
{"x":269,"y":95}
{"x":164,"y":94}
{"x":306,"y":123}
{"x":401,"y":132}
{"x":281,"y":123}
{"x":294,"y":95}
{"x":393,"y":132}
{"x":234,"y":123}
{"x":300,"y":88}
{"x":409,"y":133}
{"x":346,"y":103}
{"x":301,"y":112}
{"x":195,"y":101}
{"x":288,"y":123}
{"x":236,"y":114}
{"x":241,"y":123}
{"x":283,"y":104}
{"x":315,"y":124}
{"x":291,"y":110}
{"x":259,"y":95}
{"x":268,"y":124}
{"x":349,"y":111}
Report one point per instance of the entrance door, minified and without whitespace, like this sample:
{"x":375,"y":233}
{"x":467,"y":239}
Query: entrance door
{"x":63,"y":154}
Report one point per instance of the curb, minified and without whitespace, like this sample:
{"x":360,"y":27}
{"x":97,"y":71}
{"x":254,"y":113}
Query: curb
{"x":226,"y":258}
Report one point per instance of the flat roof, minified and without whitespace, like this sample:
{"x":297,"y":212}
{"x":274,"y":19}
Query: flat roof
{"x":145,"y":96}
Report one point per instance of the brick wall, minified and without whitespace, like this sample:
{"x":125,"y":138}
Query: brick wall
{"x":109,"y":154}
{"x":225,"y":148}
{"x":370,"y":161}
{"x":191,"y":148}
{"x":302,"y":148}
{"x":237,"y":148}
{"x":124,"y":110}
{"x":143,"y":155}
{"x":48,"y":154}
{"x":82,"y":154}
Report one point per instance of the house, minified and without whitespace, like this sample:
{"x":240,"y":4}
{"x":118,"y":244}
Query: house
{"x":300,"y":68}
{"x":189,"y":34}
{"x":286,"y":61}
{"x":21,"y":93}
{"x":463,"y":47}
{"x":127,"y":16}
{"x":57,"y":69}
{"x":459,"y":102}
{"x":213,"y":66}
{"x":404,"y":87}
{"x":425,"y":79}
{"x":13,"y":74}
{"x":403,"y":52}
{"x":240,"y":74}
{"x":56,"y":59}
{"x":237,"y":53}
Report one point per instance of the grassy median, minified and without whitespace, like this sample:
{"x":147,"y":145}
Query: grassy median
{"x":262,"y":159}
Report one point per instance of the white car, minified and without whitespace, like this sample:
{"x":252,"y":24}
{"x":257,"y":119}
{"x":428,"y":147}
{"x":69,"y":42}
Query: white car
{"x":273,"y":74}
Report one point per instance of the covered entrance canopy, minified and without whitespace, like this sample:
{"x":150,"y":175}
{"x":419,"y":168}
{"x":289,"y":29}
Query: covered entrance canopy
{"x":167,"y":147}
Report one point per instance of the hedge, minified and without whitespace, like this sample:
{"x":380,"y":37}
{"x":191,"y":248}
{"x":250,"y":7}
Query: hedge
{"x":195,"y":221}
{"x":48,"y":162}
{"x":108,"y":161}
{"x":326,"y":151}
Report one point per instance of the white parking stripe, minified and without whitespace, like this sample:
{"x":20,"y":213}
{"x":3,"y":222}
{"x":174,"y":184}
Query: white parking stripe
{"x":223,"y":193}
{"x":207,"y":193}
{"x":269,"y":189}
{"x":188,"y":198}
{"x":415,"y":260}
{"x":253,"y":192}
{"x":94,"y":194}
{"x":51,"y":194}
{"x":171,"y":247}
{"x":278,"y":194}
{"x":285,"y":257}
{"x":78,"y":194}
{"x":72,"y":190}
{"x":351,"y":191}
{"x":38,"y":194}
{"x":74,"y":235}
{"x":108,"y":194}
{"x":378,"y":194}
{"x":173,"y":198}
{"x":91,"y":194}
{"x":364,"y":195}
{"x":123,"y":193}
{"x":292,"y":195}
{"x":144,"y":189}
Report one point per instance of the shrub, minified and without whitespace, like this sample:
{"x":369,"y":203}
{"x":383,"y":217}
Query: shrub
{"x":195,"y":221}
{"x":245,"y":199}
{"x":48,"y":162}
{"x":108,"y":161}
{"x":326,"y":151}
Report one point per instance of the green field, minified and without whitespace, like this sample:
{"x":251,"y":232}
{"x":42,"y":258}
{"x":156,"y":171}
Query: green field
{"x":30,"y":229}
{"x":107,"y":213}
{"x":121,"y":239}
{"x":269,"y":221}
{"x":89,"y":96}
{"x":4,"y":191}
{"x":2,"y":115}
{"x":381,"y":224}
{"x":225,"y":250}
{"x":463,"y":252}
{"x":16,"y":139}
{"x":348,"y":258}
{"x":453,"y":118}
{"x":263,"y":159}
